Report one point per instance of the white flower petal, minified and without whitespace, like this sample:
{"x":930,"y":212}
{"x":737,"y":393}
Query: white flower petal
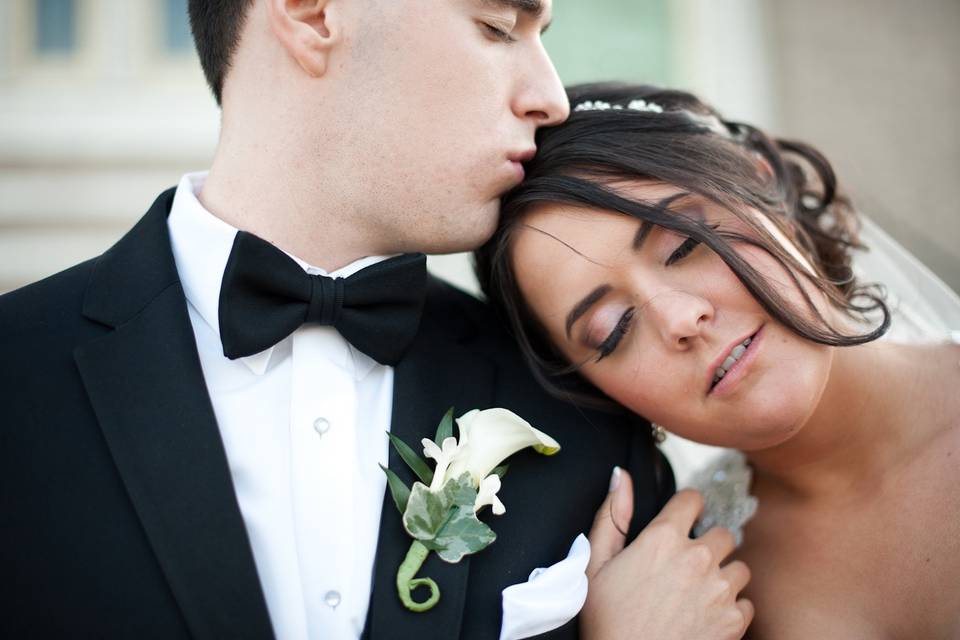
{"x":430,"y":449}
{"x":487,"y":495}
{"x":449,"y":446}
{"x":488,"y":437}
{"x":444,"y":456}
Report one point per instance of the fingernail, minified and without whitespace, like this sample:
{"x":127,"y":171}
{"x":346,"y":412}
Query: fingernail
{"x":615,"y":479}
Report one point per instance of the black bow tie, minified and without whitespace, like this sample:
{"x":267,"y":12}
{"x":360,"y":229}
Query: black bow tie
{"x":265,"y":296}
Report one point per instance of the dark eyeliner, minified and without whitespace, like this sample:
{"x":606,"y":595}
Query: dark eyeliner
{"x":685,"y":249}
{"x":623,"y":326}
{"x":682,"y":251}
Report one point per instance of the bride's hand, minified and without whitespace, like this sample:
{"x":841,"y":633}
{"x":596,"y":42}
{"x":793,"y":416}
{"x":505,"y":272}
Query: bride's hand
{"x":663,"y":585}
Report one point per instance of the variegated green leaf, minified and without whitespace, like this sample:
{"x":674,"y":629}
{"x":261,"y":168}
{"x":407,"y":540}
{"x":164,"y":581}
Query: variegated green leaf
{"x":426,"y":513}
{"x":462,"y":533}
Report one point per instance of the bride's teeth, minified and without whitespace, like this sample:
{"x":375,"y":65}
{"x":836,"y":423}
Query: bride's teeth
{"x":735,"y":354}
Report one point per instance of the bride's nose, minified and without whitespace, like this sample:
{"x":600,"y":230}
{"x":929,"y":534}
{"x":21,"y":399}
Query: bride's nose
{"x":679,"y":317}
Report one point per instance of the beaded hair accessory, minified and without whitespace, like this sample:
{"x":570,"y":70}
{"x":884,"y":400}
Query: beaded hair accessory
{"x":634,"y":105}
{"x":710,"y":121}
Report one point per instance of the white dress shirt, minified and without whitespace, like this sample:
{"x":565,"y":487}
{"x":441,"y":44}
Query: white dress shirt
{"x":304,"y":427}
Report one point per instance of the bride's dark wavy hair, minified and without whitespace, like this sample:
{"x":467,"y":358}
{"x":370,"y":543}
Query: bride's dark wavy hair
{"x":688,"y":145}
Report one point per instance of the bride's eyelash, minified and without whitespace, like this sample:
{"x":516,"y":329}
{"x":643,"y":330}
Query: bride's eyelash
{"x":610,"y":344}
{"x":623,"y":326}
{"x":685,"y":249}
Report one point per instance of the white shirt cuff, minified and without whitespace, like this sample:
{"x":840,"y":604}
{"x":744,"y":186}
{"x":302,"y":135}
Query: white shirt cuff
{"x":550,"y":598}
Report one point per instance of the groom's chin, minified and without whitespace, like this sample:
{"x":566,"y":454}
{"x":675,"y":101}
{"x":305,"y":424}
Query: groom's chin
{"x":466,"y":230}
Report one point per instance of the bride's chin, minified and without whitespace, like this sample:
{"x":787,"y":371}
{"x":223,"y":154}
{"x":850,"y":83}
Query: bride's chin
{"x":771,"y":437}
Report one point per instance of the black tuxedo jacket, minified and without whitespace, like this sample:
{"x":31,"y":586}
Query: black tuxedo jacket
{"x":118,"y":517}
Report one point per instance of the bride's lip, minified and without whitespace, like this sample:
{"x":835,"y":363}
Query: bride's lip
{"x":739,"y":368}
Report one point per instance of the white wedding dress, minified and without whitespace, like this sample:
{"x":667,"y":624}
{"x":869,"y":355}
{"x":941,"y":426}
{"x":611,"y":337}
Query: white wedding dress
{"x":923,"y":309}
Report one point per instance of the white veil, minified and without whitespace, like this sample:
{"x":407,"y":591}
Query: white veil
{"x":923,"y":307}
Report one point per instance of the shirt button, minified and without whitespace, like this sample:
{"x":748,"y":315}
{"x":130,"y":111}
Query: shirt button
{"x":321,"y":425}
{"x":332,"y":599}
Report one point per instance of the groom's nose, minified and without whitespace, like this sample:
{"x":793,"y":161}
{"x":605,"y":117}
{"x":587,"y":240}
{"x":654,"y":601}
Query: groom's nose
{"x":678,"y":317}
{"x":539,"y":94}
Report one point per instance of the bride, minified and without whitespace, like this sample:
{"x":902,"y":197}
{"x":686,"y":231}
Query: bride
{"x":699,"y":273}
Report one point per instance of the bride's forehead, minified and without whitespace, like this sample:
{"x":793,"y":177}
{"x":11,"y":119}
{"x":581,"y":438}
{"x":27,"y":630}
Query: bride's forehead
{"x":570,"y":239}
{"x":575,"y":223}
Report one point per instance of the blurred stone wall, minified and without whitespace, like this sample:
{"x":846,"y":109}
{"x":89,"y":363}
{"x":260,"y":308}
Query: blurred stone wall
{"x":89,"y":137}
{"x":875,"y":84}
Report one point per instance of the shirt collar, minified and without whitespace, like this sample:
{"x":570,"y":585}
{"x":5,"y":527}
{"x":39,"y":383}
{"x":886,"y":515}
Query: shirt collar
{"x":201,"y":245}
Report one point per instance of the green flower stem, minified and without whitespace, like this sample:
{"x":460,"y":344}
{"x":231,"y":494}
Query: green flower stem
{"x":406,"y":583}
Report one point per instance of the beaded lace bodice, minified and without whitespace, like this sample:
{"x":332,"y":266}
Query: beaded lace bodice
{"x":725,"y":485}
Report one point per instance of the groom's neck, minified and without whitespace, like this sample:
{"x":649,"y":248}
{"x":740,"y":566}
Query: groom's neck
{"x":273,"y":190}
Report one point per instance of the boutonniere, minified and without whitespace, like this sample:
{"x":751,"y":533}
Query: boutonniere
{"x":440,"y":511}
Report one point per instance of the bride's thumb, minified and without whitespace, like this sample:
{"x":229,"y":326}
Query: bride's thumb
{"x":609,"y":532}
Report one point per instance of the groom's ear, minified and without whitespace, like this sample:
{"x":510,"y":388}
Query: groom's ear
{"x":307,"y":29}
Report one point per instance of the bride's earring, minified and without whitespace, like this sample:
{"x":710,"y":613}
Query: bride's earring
{"x":658,"y":432}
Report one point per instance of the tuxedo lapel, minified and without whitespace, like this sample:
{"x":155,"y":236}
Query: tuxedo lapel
{"x":436,"y":373}
{"x":146,"y":386}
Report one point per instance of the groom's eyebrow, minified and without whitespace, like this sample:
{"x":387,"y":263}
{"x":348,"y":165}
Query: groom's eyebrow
{"x":584,"y":305}
{"x":533,"y":8}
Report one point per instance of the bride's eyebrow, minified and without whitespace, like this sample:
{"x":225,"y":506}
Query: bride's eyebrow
{"x":646,"y":226}
{"x":584,"y":305}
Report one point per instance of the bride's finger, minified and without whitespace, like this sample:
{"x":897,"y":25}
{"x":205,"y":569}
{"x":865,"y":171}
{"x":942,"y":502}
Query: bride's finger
{"x":607,"y":536}
{"x":682,"y":510}
{"x":720,"y":542}
{"x":737,"y":575}
{"x":746,"y":608}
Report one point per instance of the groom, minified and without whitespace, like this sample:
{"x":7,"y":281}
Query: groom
{"x":154,"y":487}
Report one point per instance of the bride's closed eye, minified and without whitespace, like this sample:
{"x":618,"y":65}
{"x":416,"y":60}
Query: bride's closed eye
{"x":686,"y":248}
{"x":619,"y":331}
{"x":612,"y":341}
{"x":681,"y":252}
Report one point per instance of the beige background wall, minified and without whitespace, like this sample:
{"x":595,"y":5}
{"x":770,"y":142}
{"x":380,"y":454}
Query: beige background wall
{"x":87,"y":139}
{"x":876,"y":85}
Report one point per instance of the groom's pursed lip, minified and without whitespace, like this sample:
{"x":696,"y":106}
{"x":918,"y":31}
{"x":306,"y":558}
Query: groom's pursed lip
{"x":518,"y":172}
{"x":516,"y":160}
{"x":522,"y":156}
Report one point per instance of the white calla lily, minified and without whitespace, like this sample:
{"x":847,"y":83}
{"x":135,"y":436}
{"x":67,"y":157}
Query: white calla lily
{"x":489,"y":437}
{"x":487,"y":495}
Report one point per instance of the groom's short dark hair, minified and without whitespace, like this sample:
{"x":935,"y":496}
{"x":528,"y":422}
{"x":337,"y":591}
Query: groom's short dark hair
{"x":216,"y":26}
